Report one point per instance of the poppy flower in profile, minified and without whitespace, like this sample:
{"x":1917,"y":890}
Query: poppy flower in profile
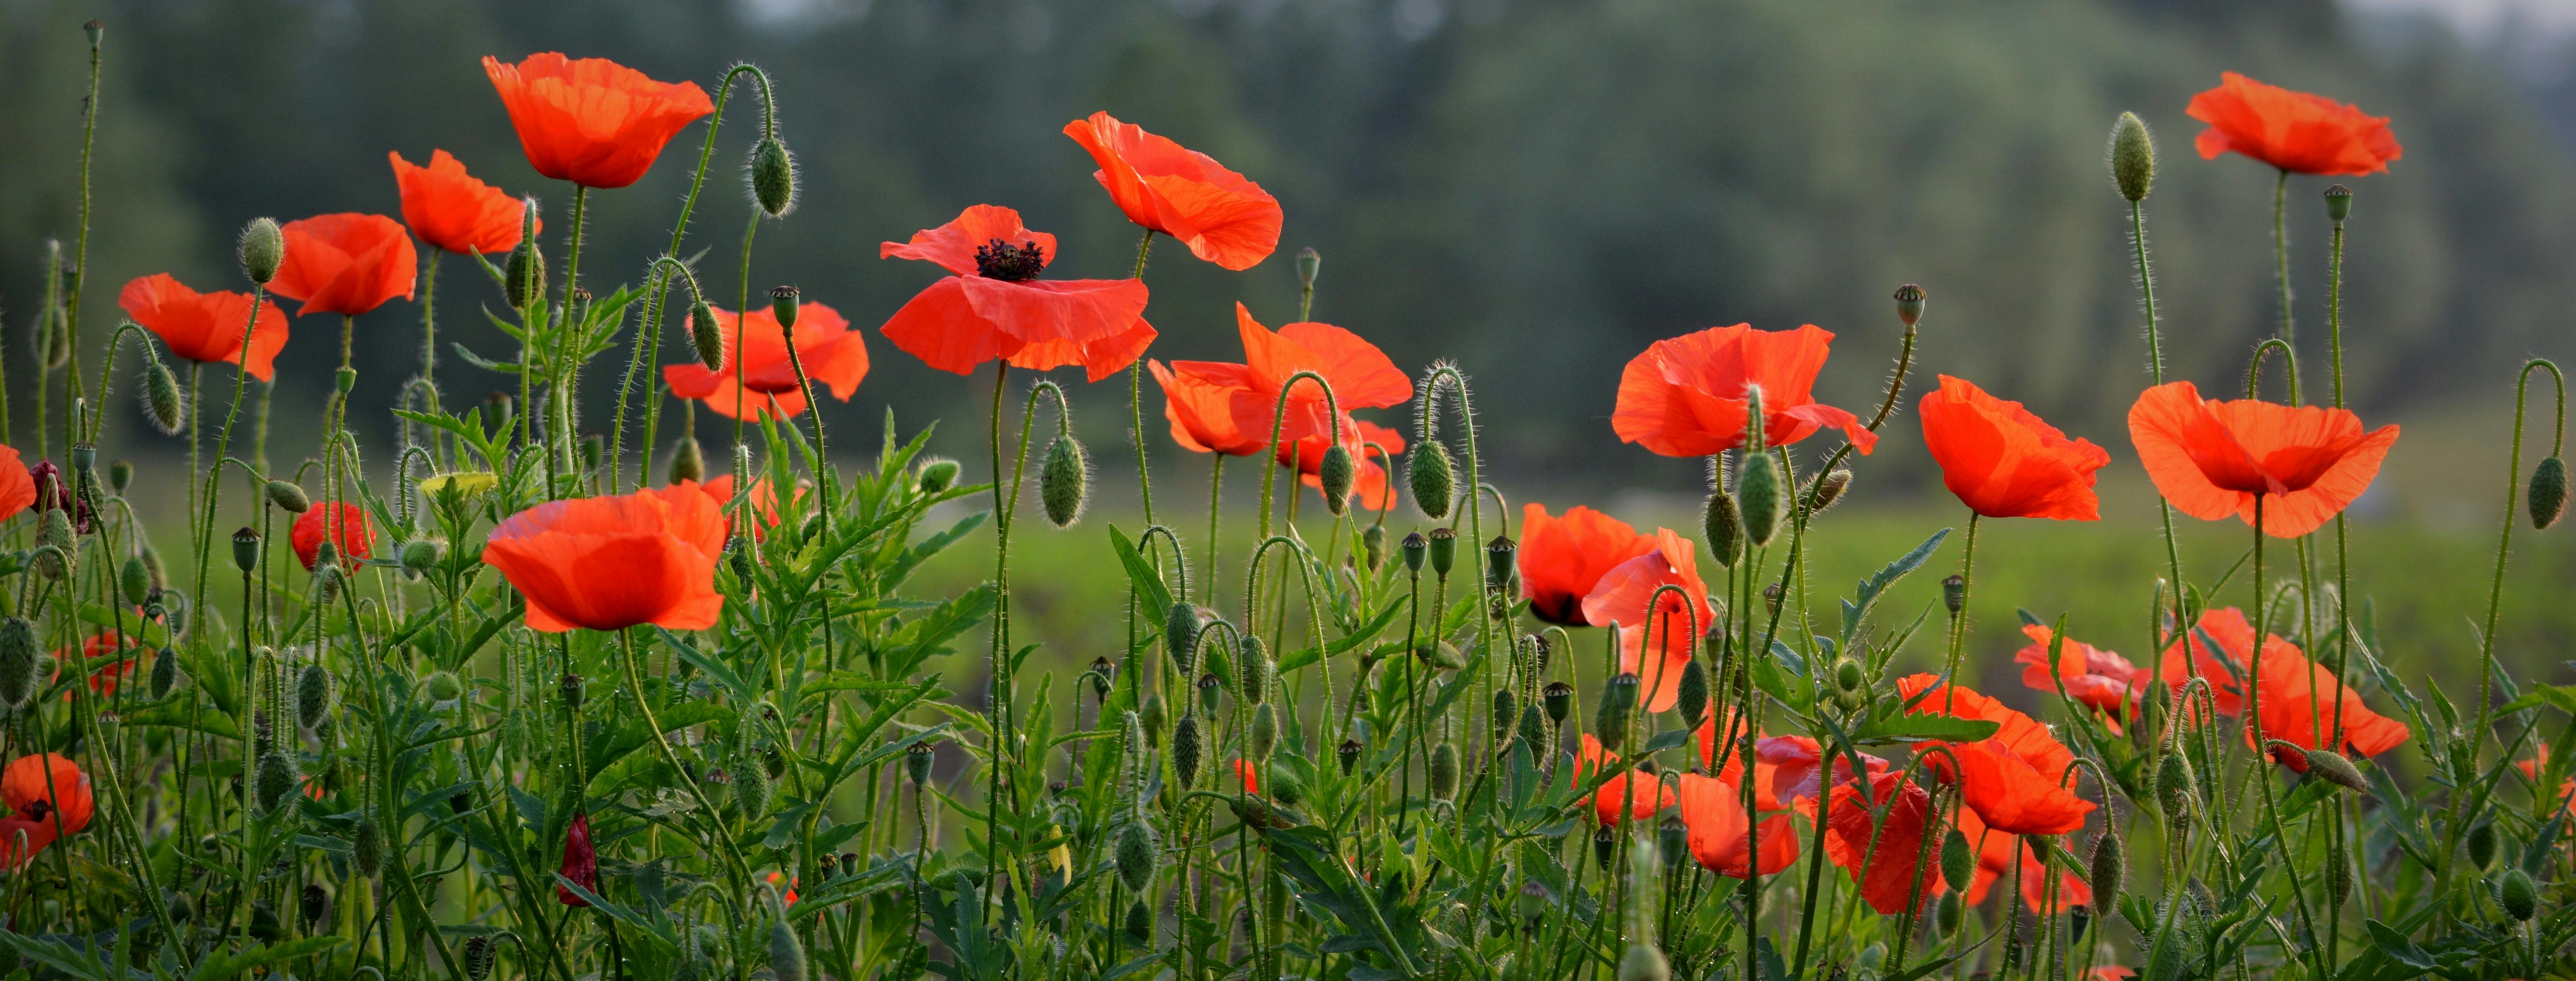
{"x":343,"y":524}
{"x":2298,"y":696}
{"x":1723,"y":838}
{"x":50,"y":788}
{"x":346,"y":264}
{"x":206,"y":327}
{"x":2014,"y":779}
{"x":608,"y":563}
{"x":2212,"y":459}
{"x":17,"y":484}
{"x":758,"y":379}
{"x":1229,"y":408}
{"x":1881,"y":853}
{"x":1369,"y":487}
{"x":2003,"y":462}
{"x":21,"y":839}
{"x":764,"y":501}
{"x":1642,"y":794}
{"x":451,"y":210}
{"x":2531,"y":770}
{"x":580,"y":862}
{"x":1561,"y":559}
{"x":1248,"y":776}
{"x":1163,"y":186}
{"x":789,"y":899}
{"x":1622,"y":595}
{"x":1685,"y":396}
{"x":592,"y":121}
{"x":997,"y":307}
{"x":2294,"y":131}
{"x":2091,"y":675}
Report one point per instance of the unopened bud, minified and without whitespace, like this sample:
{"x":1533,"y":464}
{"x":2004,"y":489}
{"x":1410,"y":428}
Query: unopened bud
{"x":2133,"y":157}
{"x":120,"y":475}
{"x":165,"y":673}
{"x":706,"y":335}
{"x":1373,"y":546}
{"x":1618,"y":700}
{"x":1064,"y":480}
{"x":287,"y":495}
{"x":936,"y":476}
{"x":2519,"y":896}
{"x":2482,"y":846}
{"x":1693,"y":692}
{"x":773,"y":179}
{"x":273,"y":780}
{"x":2110,"y":865}
{"x":1505,"y":714}
{"x":1757,"y":491}
{"x":1434,"y":478}
{"x":134,"y":581}
{"x":1643,"y":962}
{"x":523,"y":276}
{"x":19,"y":672}
{"x":1181,"y":632}
{"x":1824,"y":491}
{"x":1443,"y":771}
{"x":263,"y":249}
{"x":1262,"y":737}
{"x":786,"y":952}
{"x":1334,"y":476}
{"x":162,"y":400}
{"x":1137,"y":854}
{"x":2337,"y":769}
{"x":1958,"y":861}
{"x":2176,"y":787}
{"x":1186,"y":751}
{"x":2548,"y":494}
{"x":421,"y":554}
{"x":312,"y":695}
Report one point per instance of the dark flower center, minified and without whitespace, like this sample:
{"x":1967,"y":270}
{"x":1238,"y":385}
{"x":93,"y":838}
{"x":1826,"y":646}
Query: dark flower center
{"x":36,"y":810}
{"x":1009,"y":263}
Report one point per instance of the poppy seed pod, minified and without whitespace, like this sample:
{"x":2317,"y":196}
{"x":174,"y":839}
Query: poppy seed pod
{"x":1262,"y":737}
{"x":1444,"y":551}
{"x":1618,"y":700}
{"x":2548,"y":493}
{"x":1334,"y":476}
{"x":2519,"y":896}
{"x":1771,"y":597}
{"x":246,"y":549}
{"x":263,"y":249}
{"x":706,"y":336}
{"x":2482,"y":846}
{"x":1757,"y":491}
{"x":916,"y":762}
{"x":1103,"y":673}
{"x":1373,"y":546}
{"x":313,"y":903}
{"x":478,"y":957}
{"x":2337,"y":769}
{"x":289,"y":496}
{"x":2338,"y":203}
{"x":162,"y":399}
{"x":312,"y":695}
{"x":688,"y":461}
{"x":1954,"y":594}
{"x":786,"y":953}
{"x":1958,"y":861}
{"x":1415,"y":549}
{"x":1604,"y":841}
{"x":569,"y":689}
{"x":1309,"y":262}
{"x":1826,"y":490}
{"x":1500,"y":553}
{"x":523,"y":277}
{"x":1909,"y":303}
{"x":134,"y":580}
{"x":2110,"y":865}
{"x":1064,"y":480}
{"x":19,"y":674}
{"x":2132,"y":157}
{"x":1643,"y":962}
{"x":1348,"y":755}
{"x":1185,"y":752}
{"x":772,"y":171}
{"x":273,"y":780}
{"x":1434,"y":478}
{"x":165,"y":673}
{"x":1560,"y":701}
{"x":1693,"y":693}
{"x":1443,"y":771}
{"x":783,"y":302}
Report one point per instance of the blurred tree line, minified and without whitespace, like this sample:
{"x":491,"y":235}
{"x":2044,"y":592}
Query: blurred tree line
{"x":1536,"y":188}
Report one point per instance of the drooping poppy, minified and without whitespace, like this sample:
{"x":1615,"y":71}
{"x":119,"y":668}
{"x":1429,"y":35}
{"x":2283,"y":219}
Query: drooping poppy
{"x":346,"y":263}
{"x":608,"y":563}
{"x":592,"y":121}
{"x":2212,"y":459}
{"x":764,"y":501}
{"x":2014,"y":779}
{"x":1642,"y":794}
{"x":21,"y":839}
{"x":2091,"y":675}
{"x":1561,"y":559}
{"x":1369,"y":487}
{"x":1161,"y":185}
{"x":997,"y":307}
{"x":580,"y":862}
{"x":1882,"y":854}
{"x":48,"y":787}
{"x":1685,"y":396}
{"x":758,"y":378}
{"x":2222,"y":649}
{"x":451,"y":210}
{"x":2294,"y":131}
{"x":1722,"y":836}
{"x":1679,"y":618}
{"x":206,"y":327}
{"x":17,"y":484}
{"x":343,"y":524}
{"x":2003,"y":462}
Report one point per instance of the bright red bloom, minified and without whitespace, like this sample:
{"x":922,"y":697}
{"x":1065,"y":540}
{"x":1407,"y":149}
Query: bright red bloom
{"x":101,"y":645}
{"x":1884,"y":869}
{"x":1641,"y":792}
{"x":206,"y":326}
{"x":346,"y":263}
{"x":1561,"y":559}
{"x":2294,"y":131}
{"x":592,"y":121}
{"x":2003,"y":462}
{"x":758,"y":377}
{"x":2096,"y":677}
{"x":608,"y":563}
{"x":1368,"y":479}
{"x":996,"y":307}
{"x":343,"y":523}
{"x":17,"y":484}
{"x":1721,"y":834}
{"x":764,"y":501}
{"x":1248,"y":776}
{"x":1995,"y":850}
{"x":2212,"y":458}
{"x":580,"y":862}
{"x":2224,"y":666}
{"x":1222,"y":407}
{"x":1161,"y":185}
{"x":1622,"y":595}
{"x":1686,"y":395}
{"x":21,"y":839}
{"x":2015,"y":779}
{"x":2298,"y":696}
{"x":2531,"y":769}
{"x":451,"y":210}
{"x":48,"y":788}
{"x":1791,"y":767}
{"x":790,"y":898}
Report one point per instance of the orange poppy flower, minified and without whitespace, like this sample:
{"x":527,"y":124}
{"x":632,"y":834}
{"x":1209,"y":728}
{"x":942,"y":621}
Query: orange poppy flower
{"x":757,"y":377}
{"x":343,"y":523}
{"x":48,"y":788}
{"x":608,"y":563}
{"x":592,"y":121}
{"x":17,"y":484}
{"x":2003,"y":462}
{"x":790,"y":898}
{"x":1995,"y":860}
{"x":2212,"y":458}
{"x":1795,"y":767}
{"x":346,"y":264}
{"x":1881,"y":855}
{"x":1248,"y":776}
{"x":21,"y":839}
{"x":1686,"y":395}
{"x":1561,"y":559}
{"x":1161,"y":185}
{"x":1223,"y":407}
{"x":2111,"y":973}
{"x":1368,"y":479}
{"x":2013,"y":779}
{"x":451,"y":210}
{"x":1642,"y":794}
{"x":206,"y":326}
{"x":997,"y":307}
{"x":2294,"y":131}
{"x":1622,"y":595}
{"x":1721,"y":834}
{"x":2297,"y":706}
{"x":580,"y":862}
{"x":2096,"y":677}
{"x":2225,"y":665}
{"x":764,"y":500}
{"x":2531,"y":770}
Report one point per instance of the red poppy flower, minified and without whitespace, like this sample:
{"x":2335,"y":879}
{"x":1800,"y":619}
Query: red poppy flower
{"x":592,"y":121}
{"x":997,"y":307}
{"x":2297,"y":704}
{"x":1721,"y":834}
{"x":1369,"y":486}
{"x":2212,"y":458}
{"x":2015,"y":778}
{"x":1182,"y":193}
{"x":50,"y":788}
{"x":1995,"y":850}
{"x":1881,"y":855}
{"x":580,"y":862}
{"x":100,"y":646}
{"x":2294,"y":131}
{"x":609,"y":563}
{"x":1686,"y":395}
{"x":1561,"y":559}
{"x":21,"y":839}
{"x":346,"y":263}
{"x":2091,"y":675}
{"x":2110,"y":973}
{"x":346,"y":526}
{"x":205,"y":326}
{"x":1223,"y":407}
{"x":1248,"y":776}
{"x":763,"y":500}
{"x":1795,"y":768}
{"x":757,"y":376}
{"x":17,"y":484}
{"x":1640,"y":792}
{"x":2003,"y":462}
{"x":451,"y":210}
{"x":790,"y":898}
{"x":2531,"y":770}
{"x":1622,"y":595}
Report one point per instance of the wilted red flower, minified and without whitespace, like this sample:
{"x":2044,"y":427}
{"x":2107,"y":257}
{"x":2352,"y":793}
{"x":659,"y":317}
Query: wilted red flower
{"x":1642,"y":794}
{"x":1622,"y":595}
{"x":592,"y":121}
{"x":48,"y":787}
{"x":1881,"y":855}
{"x":17,"y":484}
{"x":997,"y":307}
{"x":205,"y":326}
{"x":1685,"y":396}
{"x":344,"y":524}
{"x":1180,"y":192}
{"x":2294,"y":131}
{"x":580,"y":862}
{"x":757,"y":377}
{"x":2013,"y":779}
{"x":608,"y":563}
{"x":2003,"y":462}
{"x":451,"y":210}
{"x":346,"y":263}
{"x":2212,"y":458}
{"x":1721,"y":834}
{"x":2096,"y":677}
{"x":1561,"y":559}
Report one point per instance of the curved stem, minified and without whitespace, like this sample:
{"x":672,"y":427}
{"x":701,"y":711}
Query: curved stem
{"x":1278,"y":426}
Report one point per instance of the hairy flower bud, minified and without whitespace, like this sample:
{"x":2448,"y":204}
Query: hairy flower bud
{"x":2548,"y":492}
{"x":786,"y":953}
{"x":1958,"y":861}
{"x":1443,"y":771}
{"x":688,"y":461}
{"x":2177,"y":788}
{"x":523,"y":276}
{"x":165,"y":673}
{"x":273,"y":779}
{"x":1505,"y":714}
{"x":54,"y":531}
{"x":1373,"y":546}
{"x":312,"y":695}
{"x":936,"y":475}
{"x":1262,"y":737}
{"x":2337,"y":769}
{"x":1945,"y":914}
{"x":120,"y":475}
{"x":1140,"y":922}
{"x":1618,"y":701}
{"x":313,"y":903}
{"x":2133,"y":157}
{"x":2482,"y":846}
{"x":706,"y":336}
{"x":1434,"y":478}
{"x":1693,"y":691}
{"x":1757,"y":489}
{"x":772,"y":172}
{"x":1064,"y":480}
{"x":1643,"y":962}
{"x":1181,"y":632}
{"x":263,"y":249}
{"x":2110,"y":865}
{"x":1335,"y":475}
{"x":1137,"y":855}
{"x":2519,"y":896}
{"x":1185,"y":751}
{"x":19,"y":673}
{"x":750,"y":788}
{"x":162,"y":399}
{"x":287,"y":495}
{"x":1533,"y":730}
{"x":134,"y":581}
{"x":1824,"y":491}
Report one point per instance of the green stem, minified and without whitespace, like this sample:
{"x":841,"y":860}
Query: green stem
{"x":429,"y":319}
{"x":2281,"y":253}
{"x":80,"y":254}
{"x":1136,"y":404}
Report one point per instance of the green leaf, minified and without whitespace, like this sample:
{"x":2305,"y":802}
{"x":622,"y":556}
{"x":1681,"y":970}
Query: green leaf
{"x":232,"y":965}
{"x":1152,"y":596}
{"x":1856,"y":609}
{"x":2397,"y":947}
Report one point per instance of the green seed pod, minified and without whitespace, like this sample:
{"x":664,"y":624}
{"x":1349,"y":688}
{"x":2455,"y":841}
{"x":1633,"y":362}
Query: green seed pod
{"x":772,"y":174}
{"x":688,"y":461}
{"x":165,"y":673}
{"x":273,"y":780}
{"x":246,"y":549}
{"x":1506,"y":713}
{"x":19,"y":674}
{"x":1757,"y":488}
{"x":1064,"y":480}
{"x":313,"y":903}
{"x":262,"y":250}
{"x":312,"y":695}
{"x":1958,"y":861}
{"x":2338,"y":203}
{"x":1181,"y":632}
{"x":1693,"y":691}
{"x":2337,"y":769}
{"x":1335,"y":473}
{"x":1348,"y":755}
{"x":1415,"y":548}
{"x":1533,"y":730}
{"x":1909,"y":303}
{"x":1136,"y":855}
{"x":1434,"y":478}
{"x":2110,"y":865}
{"x":1373,"y":546}
{"x":2482,"y":846}
{"x":2548,"y":494}
{"x":1140,"y":922}
{"x":134,"y":580}
{"x":1444,"y":551}
{"x":1826,"y":490}
{"x":936,"y":476}
{"x":180,"y":907}
{"x":786,"y":953}
{"x":289,"y":496}
{"x":1945,"y":914}
{"x":2133,"y":157}
{"x":478,"y":957}
{"x":1604,"y":841}
{"x":1309,"y":262}
{"x":1643,"y":962}
{"x":162,"y":399}
{"x":916,"y":762}
{"x":1443,"y":771}
{"x":1501,"y":554}
{"x":1954,"y":593}
{"x":1185,"y":752}
{"x":1618,"y":700}
{"x":1560,"y":701}
{"x":2519,"y":896}
{"x":2177,"y":788}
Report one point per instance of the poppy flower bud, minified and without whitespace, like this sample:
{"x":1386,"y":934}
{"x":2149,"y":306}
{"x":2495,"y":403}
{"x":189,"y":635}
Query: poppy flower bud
{"x":1153,"y":715}
{"x":1909,"y":303}
{"x":419,"y":555}
{"x":750,"y":790}
{"x":1348,"y":755}
{"x":1954,"y":594}
{"x":1945,"y":914}
{"x":367,"y":848}
{"x":2176,"y":787}
{"x":287,"y":495}
{"x":2110,"y":865}
{"x":1560,"y":701}
{"x":2519,"y":896}
{"x":1441,"y":654}
{"x":1140,"y":922}
{"x":2482,"y":846}
{"x":1136,"y":855}
{"x":1309,"y":262}
{"x":1694,"y":693}
{"x":1958,"y":861}
{"x":2132,"y":154}
{"x":134,"y":581}
{"x":162,"y":400}
{"x":523,"y":276}
{"x":2338,"y":203}
{"x":1262,"y":737}
{"x":19,"y":672}
{"x":1334,"y":475}
{"x":1500,"y":553}
{"x":1434,"y":477}
{"x":1255,"y":680}
{"x":273,"y":779}
{"x":55,"y":530}
{"x":478,"y":957}
{"x":2337,"y":769}
{"x":1064,"y":480}
{"x":1185,"y":752}
{"x":782,"y":305}
{"x":1415,"y":548}
{"x":1643,"y":962}
{"x":1610,"y":720}
{"x":2339,"y":882}
{"x":120,"y":475}
{"x":1373,"y":546}
{"x":1771,"y":596}
{"x":311,"y":905}
{"x":1757,"y":491}
{"x":786,"y":953}
{"x":1533,"y":729}
{"x":1506,"y":713}
{"x":312,"y":695}
{"x":773,"y":180}
{"x":246,"y":549}
{"x":1181,"y":632}
{"x":706,"y":336}
{"x":1603,"y":843}
{"x":1444,"y":551}
{"x":262,"y":249}
{"x":935,"y":476}
{"x":165,"y":673}
{"x":1823,"y":491}
{"x":1443,"y":771}
{"x":2548,"y":493}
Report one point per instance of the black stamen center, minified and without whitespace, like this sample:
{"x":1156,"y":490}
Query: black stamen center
{"x":36,"y":810}
{"x":1009,"y":263}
